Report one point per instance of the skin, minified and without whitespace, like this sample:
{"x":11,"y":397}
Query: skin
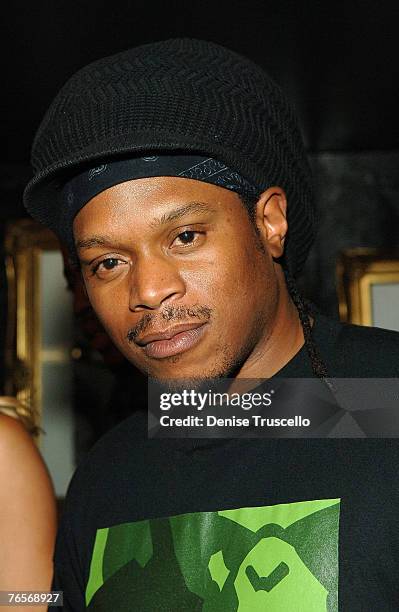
{"x":27,"y":513}
{"x":158,"y":252}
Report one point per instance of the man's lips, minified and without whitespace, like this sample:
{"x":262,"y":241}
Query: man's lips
{"x":172,"y":341}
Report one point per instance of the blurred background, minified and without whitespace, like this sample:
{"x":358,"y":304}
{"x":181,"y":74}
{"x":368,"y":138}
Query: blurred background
{"x":338,"y":63}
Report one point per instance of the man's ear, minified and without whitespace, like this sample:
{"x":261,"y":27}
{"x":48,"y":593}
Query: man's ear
{"x":271,"y":219}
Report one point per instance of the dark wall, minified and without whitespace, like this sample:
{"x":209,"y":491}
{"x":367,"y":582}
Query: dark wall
{"x":357,"y":194}
{"x":338,"y":62}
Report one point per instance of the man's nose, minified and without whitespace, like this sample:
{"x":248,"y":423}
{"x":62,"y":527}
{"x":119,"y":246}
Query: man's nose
{"x":154,"y":281}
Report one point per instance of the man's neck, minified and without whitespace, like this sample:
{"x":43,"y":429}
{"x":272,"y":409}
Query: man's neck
{"x":277,"y":348}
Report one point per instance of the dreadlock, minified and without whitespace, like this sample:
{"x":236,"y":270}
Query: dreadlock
{"x":304,"y":311}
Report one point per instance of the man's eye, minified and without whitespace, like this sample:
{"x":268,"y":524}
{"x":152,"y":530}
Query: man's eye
{"x":186,"y":237}
{"x":106,"y":265}
{"x":110,"y":263}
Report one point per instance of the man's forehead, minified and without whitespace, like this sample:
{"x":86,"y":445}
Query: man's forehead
{"x":191,"y":208}
{"x":98,"y":215}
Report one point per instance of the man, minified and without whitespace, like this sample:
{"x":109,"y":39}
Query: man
{"x":177,"y":175}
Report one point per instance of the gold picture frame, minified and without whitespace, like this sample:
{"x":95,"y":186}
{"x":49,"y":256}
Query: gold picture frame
{"x":25,"y":241}
{"x":40,"y":337}
{"x":359,"y":272}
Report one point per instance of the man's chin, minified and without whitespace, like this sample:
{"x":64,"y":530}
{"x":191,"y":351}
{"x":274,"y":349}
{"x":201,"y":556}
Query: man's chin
{"x":179,"y":379}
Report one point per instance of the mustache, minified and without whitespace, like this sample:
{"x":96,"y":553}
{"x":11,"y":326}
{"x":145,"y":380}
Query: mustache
{"x":169,"y":313}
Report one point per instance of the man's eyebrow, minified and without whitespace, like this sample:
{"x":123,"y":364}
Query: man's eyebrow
{"x":93,"y":241}
{"x":177,"y":213}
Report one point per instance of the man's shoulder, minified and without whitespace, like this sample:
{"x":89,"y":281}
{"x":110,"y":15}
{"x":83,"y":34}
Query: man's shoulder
{"x":358,"y":351}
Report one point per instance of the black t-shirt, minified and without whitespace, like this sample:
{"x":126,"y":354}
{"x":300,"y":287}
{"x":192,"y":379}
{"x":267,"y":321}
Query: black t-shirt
{"x":240,"y":524}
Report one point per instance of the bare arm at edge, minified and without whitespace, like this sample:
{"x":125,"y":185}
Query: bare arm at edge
{"x":27,"y":513}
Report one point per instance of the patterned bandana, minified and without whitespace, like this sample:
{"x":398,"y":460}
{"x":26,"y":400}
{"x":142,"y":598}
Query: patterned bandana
{"x":83,"y":187}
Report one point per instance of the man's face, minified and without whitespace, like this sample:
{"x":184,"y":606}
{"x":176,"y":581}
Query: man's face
{"x":178,"y":275}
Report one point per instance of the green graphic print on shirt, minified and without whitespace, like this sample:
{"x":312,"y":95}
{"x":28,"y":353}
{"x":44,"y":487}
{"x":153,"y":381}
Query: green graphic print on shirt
{"x":278,"y":558}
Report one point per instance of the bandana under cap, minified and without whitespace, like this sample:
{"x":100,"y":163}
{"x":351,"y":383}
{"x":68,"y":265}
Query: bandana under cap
{"x":79,"y":190}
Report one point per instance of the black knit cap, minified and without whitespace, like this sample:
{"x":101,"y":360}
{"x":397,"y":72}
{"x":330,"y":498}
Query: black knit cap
{"x":178,"y":95}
